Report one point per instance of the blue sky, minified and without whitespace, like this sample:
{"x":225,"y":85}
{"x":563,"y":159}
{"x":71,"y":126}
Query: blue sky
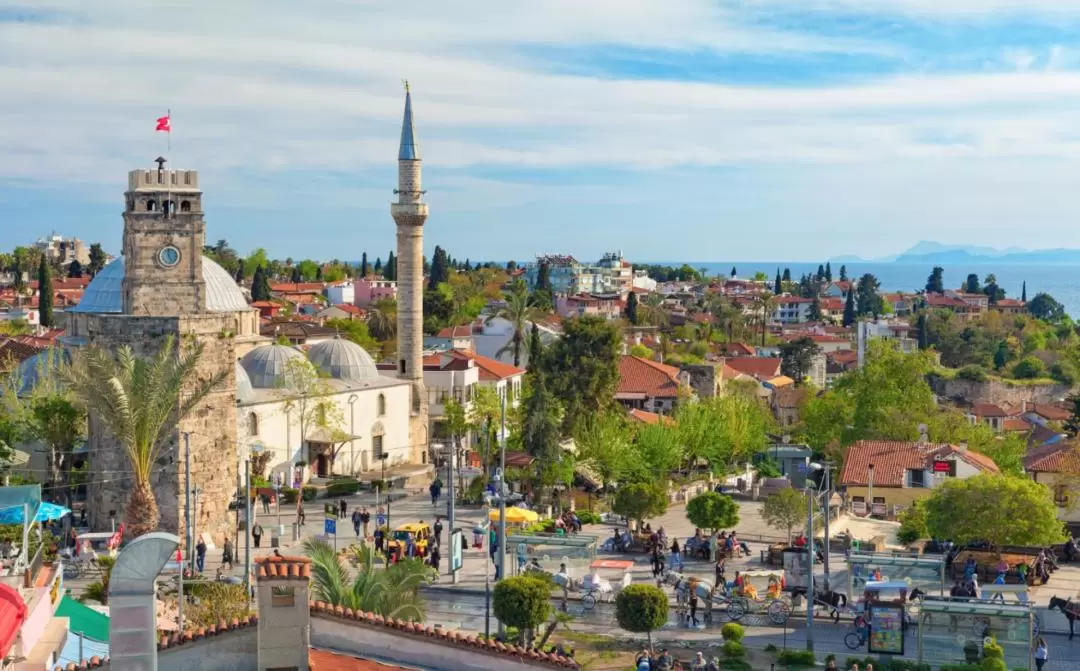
{"x":693,"y":129}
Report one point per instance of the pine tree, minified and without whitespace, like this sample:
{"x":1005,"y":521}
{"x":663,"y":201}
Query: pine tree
{"x":440,"y":268}
{"x":828,"y":272}
{"x":631,"y":308}
{"x":97,"y":259}
{"x":843,"y":274}
{"x":849,"y":309}
{"x":377,"y":269}
{"x":1023,"y":292}
{"x":45,"y":294}
{"x":260,"y":285}
{"x":390,"y":271}
{"x":935,"y":284}
{"x":778,"y":285}
{"x":787,"y":274}
{"x":364,"y":270}
{"x":820,"y":273}
{"x":972,"y":286}
{"x":467,"y":267}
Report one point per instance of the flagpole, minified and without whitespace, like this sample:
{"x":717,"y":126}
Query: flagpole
{"x":168,"y":133}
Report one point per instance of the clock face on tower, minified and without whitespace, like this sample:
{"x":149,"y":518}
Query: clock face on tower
{"x":169,"y":256}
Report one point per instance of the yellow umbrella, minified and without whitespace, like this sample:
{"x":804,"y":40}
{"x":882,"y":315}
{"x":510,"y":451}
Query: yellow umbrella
{"x":514,"y":515}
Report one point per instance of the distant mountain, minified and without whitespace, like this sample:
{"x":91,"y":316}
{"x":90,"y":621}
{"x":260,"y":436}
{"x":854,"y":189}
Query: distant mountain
{"x":926,"y":247}
{"x":932,"y":253}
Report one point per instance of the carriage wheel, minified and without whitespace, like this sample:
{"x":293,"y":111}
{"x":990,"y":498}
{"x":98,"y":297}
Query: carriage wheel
{"x":736,"y":610}
{"x":779,"y":611}
{"x":853,"y":641}
{"x":588,"y":601}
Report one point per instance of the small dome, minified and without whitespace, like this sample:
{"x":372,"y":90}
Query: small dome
{"x":343,"y":360}
{"x":265,"y":366}
{"x":244,"y":390}
{"x":104,"y":294}
{"x":42,"y":366}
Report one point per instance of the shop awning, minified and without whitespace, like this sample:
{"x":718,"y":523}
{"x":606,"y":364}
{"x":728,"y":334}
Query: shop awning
{"x":12,"y":616}
{"x":84,"y":620}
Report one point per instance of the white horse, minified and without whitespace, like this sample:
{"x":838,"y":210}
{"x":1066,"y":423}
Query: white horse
{"x":682,"y":585}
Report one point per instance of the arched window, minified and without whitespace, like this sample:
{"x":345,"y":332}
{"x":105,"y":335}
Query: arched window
{"x":151,"y":205}
{"x":380,"y":406}
{"x":253,"y":424}
{"x":185,"y":206}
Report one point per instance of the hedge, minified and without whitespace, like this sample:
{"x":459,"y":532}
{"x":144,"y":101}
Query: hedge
{"x":343,"y":487}
{"x":289,"y":494}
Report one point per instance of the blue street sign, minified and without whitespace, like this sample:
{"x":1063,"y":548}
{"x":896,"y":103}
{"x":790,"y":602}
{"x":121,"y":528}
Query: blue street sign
{"x":381,"y":519}
{"x":330,"y":526}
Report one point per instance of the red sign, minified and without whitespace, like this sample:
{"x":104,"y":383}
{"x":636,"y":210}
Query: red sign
{"x":942,"y":466}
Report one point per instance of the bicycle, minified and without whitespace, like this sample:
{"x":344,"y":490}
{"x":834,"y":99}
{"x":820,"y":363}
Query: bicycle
{"x":857,"y":638}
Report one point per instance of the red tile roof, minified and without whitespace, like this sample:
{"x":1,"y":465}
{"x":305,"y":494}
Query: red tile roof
{"x":831,"y":303}
{"x":651,"y":378}
{"x":297,"y":288}
{"x":1009,"y":303}
{"x":492,"y":370}
{"x":892,"y":459}
{"x":324,"y":660}
{"x":1051,"y":412}
{"x":844,"y":357}
{"x":1057,"y":458}
{"x":462,"y":331}
{"x":988,"y":410}
{"x":943,"y":301}
{"x":646,"y":417}
{"x":349,"y":308}
{"x":737,"y":349}
{"x":279,"y":566}
{"x":761,"y":367}
{"x":1015,"y":424}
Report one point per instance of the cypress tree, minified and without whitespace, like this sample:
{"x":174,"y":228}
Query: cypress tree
{"x":631,"y":308}
{"x":536,"y":351}
{"x":843,"y":274}
{"x":543,"y":278}
{"x":787,"y":274}
{"x":828,"y":272}
{"x":260,"y":285}
{"x":1023,"y":293}
{"x":733,"y":271}
{"x":296,"y":277}
{"x":377,"y":269}
{"x":820,"y":273}
{"x":318,"y":274}
{"x":815,"y":311}
{"x":849,"y":309}
{"x":778,"y":285}
{"x":45,"y":294}
{"x":363,"y":265}
{"x":390,"y":271}
{"x":924,"y":337}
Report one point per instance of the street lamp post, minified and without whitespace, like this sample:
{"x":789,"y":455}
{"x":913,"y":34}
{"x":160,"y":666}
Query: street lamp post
{"x":810,"y":569}
{"x":870,"y":490}
{"x":386,"y":537}
{"x":502,"y":503}
{"x":352,"y":432}
{"x":827,"y":467}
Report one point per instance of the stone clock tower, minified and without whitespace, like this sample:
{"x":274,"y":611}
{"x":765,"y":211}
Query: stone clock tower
{"x":164,"y":234}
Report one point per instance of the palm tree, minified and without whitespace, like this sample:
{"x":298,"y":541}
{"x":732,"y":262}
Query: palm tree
{"x":652,"y":310}
{"x":392,"y":593}
{"x":382,"y":320}
{"x":519,"y":311}
{"x":140,"y":401}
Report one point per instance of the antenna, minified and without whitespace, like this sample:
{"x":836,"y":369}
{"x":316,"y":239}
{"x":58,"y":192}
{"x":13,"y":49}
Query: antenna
{"x":405,"y":83}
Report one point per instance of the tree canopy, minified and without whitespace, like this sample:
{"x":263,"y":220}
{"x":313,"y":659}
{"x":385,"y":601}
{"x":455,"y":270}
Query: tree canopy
{"x":712,"y":511}
{"x":785,"y":510}
{"x":797,"y":357}
{"x":582,"y":368}
{"x":999,"y":509}
{"x":641,"y":609}
{"x":523,"y":602}
{"x":640,"y":501}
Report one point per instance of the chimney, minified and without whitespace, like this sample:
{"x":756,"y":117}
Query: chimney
{"x":962,"y":447}
{"x":284,"y":618}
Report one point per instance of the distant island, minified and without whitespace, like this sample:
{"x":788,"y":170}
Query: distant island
{"x":936,"y":253}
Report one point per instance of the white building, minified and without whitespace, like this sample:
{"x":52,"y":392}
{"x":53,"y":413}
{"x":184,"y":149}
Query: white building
{"x":374,"y":412}
{"x":792,"y":309}
{"x":341,"y":292}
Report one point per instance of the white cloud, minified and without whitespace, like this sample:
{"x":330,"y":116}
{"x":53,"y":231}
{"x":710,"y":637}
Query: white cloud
{"x":939,"y":9}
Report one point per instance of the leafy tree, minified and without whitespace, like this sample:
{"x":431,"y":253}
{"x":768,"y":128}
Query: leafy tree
{"x":992,"y":290}
{"x":1000,"y":509}
{"x":140,"y":400}
{"x":712,"y":511}
{"x":582,"y":367}
{"x":641,"y":609}
{"x":604,"y":443}
{"x":390,"y":271}
{"x":97,"y":259}
{"x":1043,"y":306}
{"x":60,"y":424}
{"x":658,"y":453}
{"x":724,"y":431}
{"x":913,"y":523}
{"x":935,"y":284}
{"x":631,"y":308}
{"x":849,"y":309}
{"x":357,"y":332}
{"x":1002,"y":355}
{"x":797,"y":357}
{"x":75,"y":269}
{"x":843,"y":274}
{"x":778,"y":284}
{"x":785,"y":510}
{"x":867,"y":300}
{"x":1029,"y":368}
{"x":45,"y":294}
{"x":393,"y":592}
{"x":310,"y":397}
{"x":640,"y":501}
{"x":971,"y":285}
{"x":382,"y":319}
{"x":522,"y":602}
{"x":216,"y":602}
{"x":296,"y":277}
{"x":307,"y":270}
{"x":536,"y":351}
{"x":260,"y":285}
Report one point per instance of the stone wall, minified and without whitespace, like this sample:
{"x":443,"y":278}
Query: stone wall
{"x":212,"y":428}
{"x":997,"y":391}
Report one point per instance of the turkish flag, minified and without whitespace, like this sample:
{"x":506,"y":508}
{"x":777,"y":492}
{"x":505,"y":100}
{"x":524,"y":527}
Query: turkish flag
{"x":164,"y":125}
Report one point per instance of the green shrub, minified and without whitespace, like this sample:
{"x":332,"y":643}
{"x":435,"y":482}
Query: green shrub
{"x":588,"y":517}
{"x":343,"y":487}
{"x":973,"y":372}
{"x":733,"y":649}
{"x":381,"y":485}
{"x":1029,"y":368}
{"x":736,"y":665}
{"x":732,"y":631}
{"x":771,"y":648}
{"x":960,"y":667}
{"x":288,"y":494}
{"x":796,"y":658}
{"x":913,"y":524}
{"x":993,"y":657}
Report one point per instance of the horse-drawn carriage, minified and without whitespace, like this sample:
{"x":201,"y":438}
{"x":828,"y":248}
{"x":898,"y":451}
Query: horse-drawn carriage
{"x":595,"y":587}
{"x":746,"y":598}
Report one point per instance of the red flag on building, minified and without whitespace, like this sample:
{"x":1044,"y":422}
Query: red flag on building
{"x":164,"y":125}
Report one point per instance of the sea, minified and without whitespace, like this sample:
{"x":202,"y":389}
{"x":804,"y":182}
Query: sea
{"x":1060,"y":281}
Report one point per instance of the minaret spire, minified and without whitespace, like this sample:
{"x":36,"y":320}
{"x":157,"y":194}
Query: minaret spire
{"x":410,"y":149}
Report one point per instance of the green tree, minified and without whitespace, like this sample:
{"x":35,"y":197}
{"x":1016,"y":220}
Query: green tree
{"x":310,"y":398}
{"x":1043,"y":306}
{"x":582,"y":367}
{"x":604,"y":443}
{"x":355,"y":331}
{"x":522,"y":602}
{"x":733,"y":273}
{"x":1000,"y":509}
{"x":778,"y":284}
{"x":640,"y":501}
{"x":828,"y":272}
{"x":992,"y":290}
{"x":1029,"y":368}
{"x":1072,"y":425}
{"x":658,"y":453}
{"x":260,"y":285}
{"x":97,"y":259}
{"x":971,"y":285}
{"x":140,"y":401}
{"x":641,"y":609}
{"x":935,"y":284}
{"x":542,"y":414}
{"x":382,"y":319}
{"x":60,"y":424}
{"x":712,"y":511}
{"x":1002,"y":355}
{"x":820,"y":276}
{"x":642,"y":351}
{"x":75,"y":269}
{"x":393,"y":592}
{"x":45,"y":294}
{"x":849,"y":308}
{"x":519,"y":312}
{"x":390,"y":271}
{"x":843,"y":274}
{"x":377,"y":268}
{"x":725,"y":430}
{"x":867,"y":300}
{"x":440,"y":268}
{"x":632,"y":308}
{"x":785,"y":510}
{"x":815,"y":314}
{"x":364,"y":268}
{"x":1023,"y":292}
{"x":913,"y":523}
{"x":797,"y":357}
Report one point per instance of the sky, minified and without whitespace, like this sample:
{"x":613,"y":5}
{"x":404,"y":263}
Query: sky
{"x":689,"y":130}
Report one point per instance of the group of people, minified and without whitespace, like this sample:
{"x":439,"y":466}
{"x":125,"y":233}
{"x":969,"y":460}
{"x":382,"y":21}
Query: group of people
{"x":647,"y":661}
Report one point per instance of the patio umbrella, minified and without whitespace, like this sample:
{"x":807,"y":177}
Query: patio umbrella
{"x":514,"y":515}
{"x":47,"y":512}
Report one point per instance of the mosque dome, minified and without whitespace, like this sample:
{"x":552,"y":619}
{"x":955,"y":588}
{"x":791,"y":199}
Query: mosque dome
{"x":265,"y":366}
{"x":104,"y":294}
{"x":32,"y":371}
{"x":343,"y":360}
{"x":244,"y":390}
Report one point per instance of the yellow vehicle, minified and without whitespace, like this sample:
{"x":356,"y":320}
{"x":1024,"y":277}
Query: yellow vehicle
{"x":418,"y":533}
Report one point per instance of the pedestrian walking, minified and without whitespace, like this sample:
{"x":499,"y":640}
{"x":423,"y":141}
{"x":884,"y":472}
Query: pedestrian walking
{"x":693,"y":609}
{"x":200,"y":555}
{"x":1041,"y":653}
{"x":256,"y":533}
{"x":356,"y":522}
{"x":438,"y":529}
{"x":676,"y":555}
{"x":227,"y":553}
{"x":300,"y":514}
{"x":721,"y":567}
{"x":266,"y":503}
{"x":379,"y":540}
{"x":435,"y":490}
{"x":342,"y":505}
{"x":365,"y":519}
{"x":435,"y":557}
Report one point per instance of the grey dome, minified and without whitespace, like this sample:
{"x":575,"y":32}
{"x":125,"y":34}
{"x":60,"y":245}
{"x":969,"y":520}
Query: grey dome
{"x":104,"y":293}
{"x":343,"y":360}
{"x":244,"y":390}
{"x":265,"y":366}
{"x":39,"y":368}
